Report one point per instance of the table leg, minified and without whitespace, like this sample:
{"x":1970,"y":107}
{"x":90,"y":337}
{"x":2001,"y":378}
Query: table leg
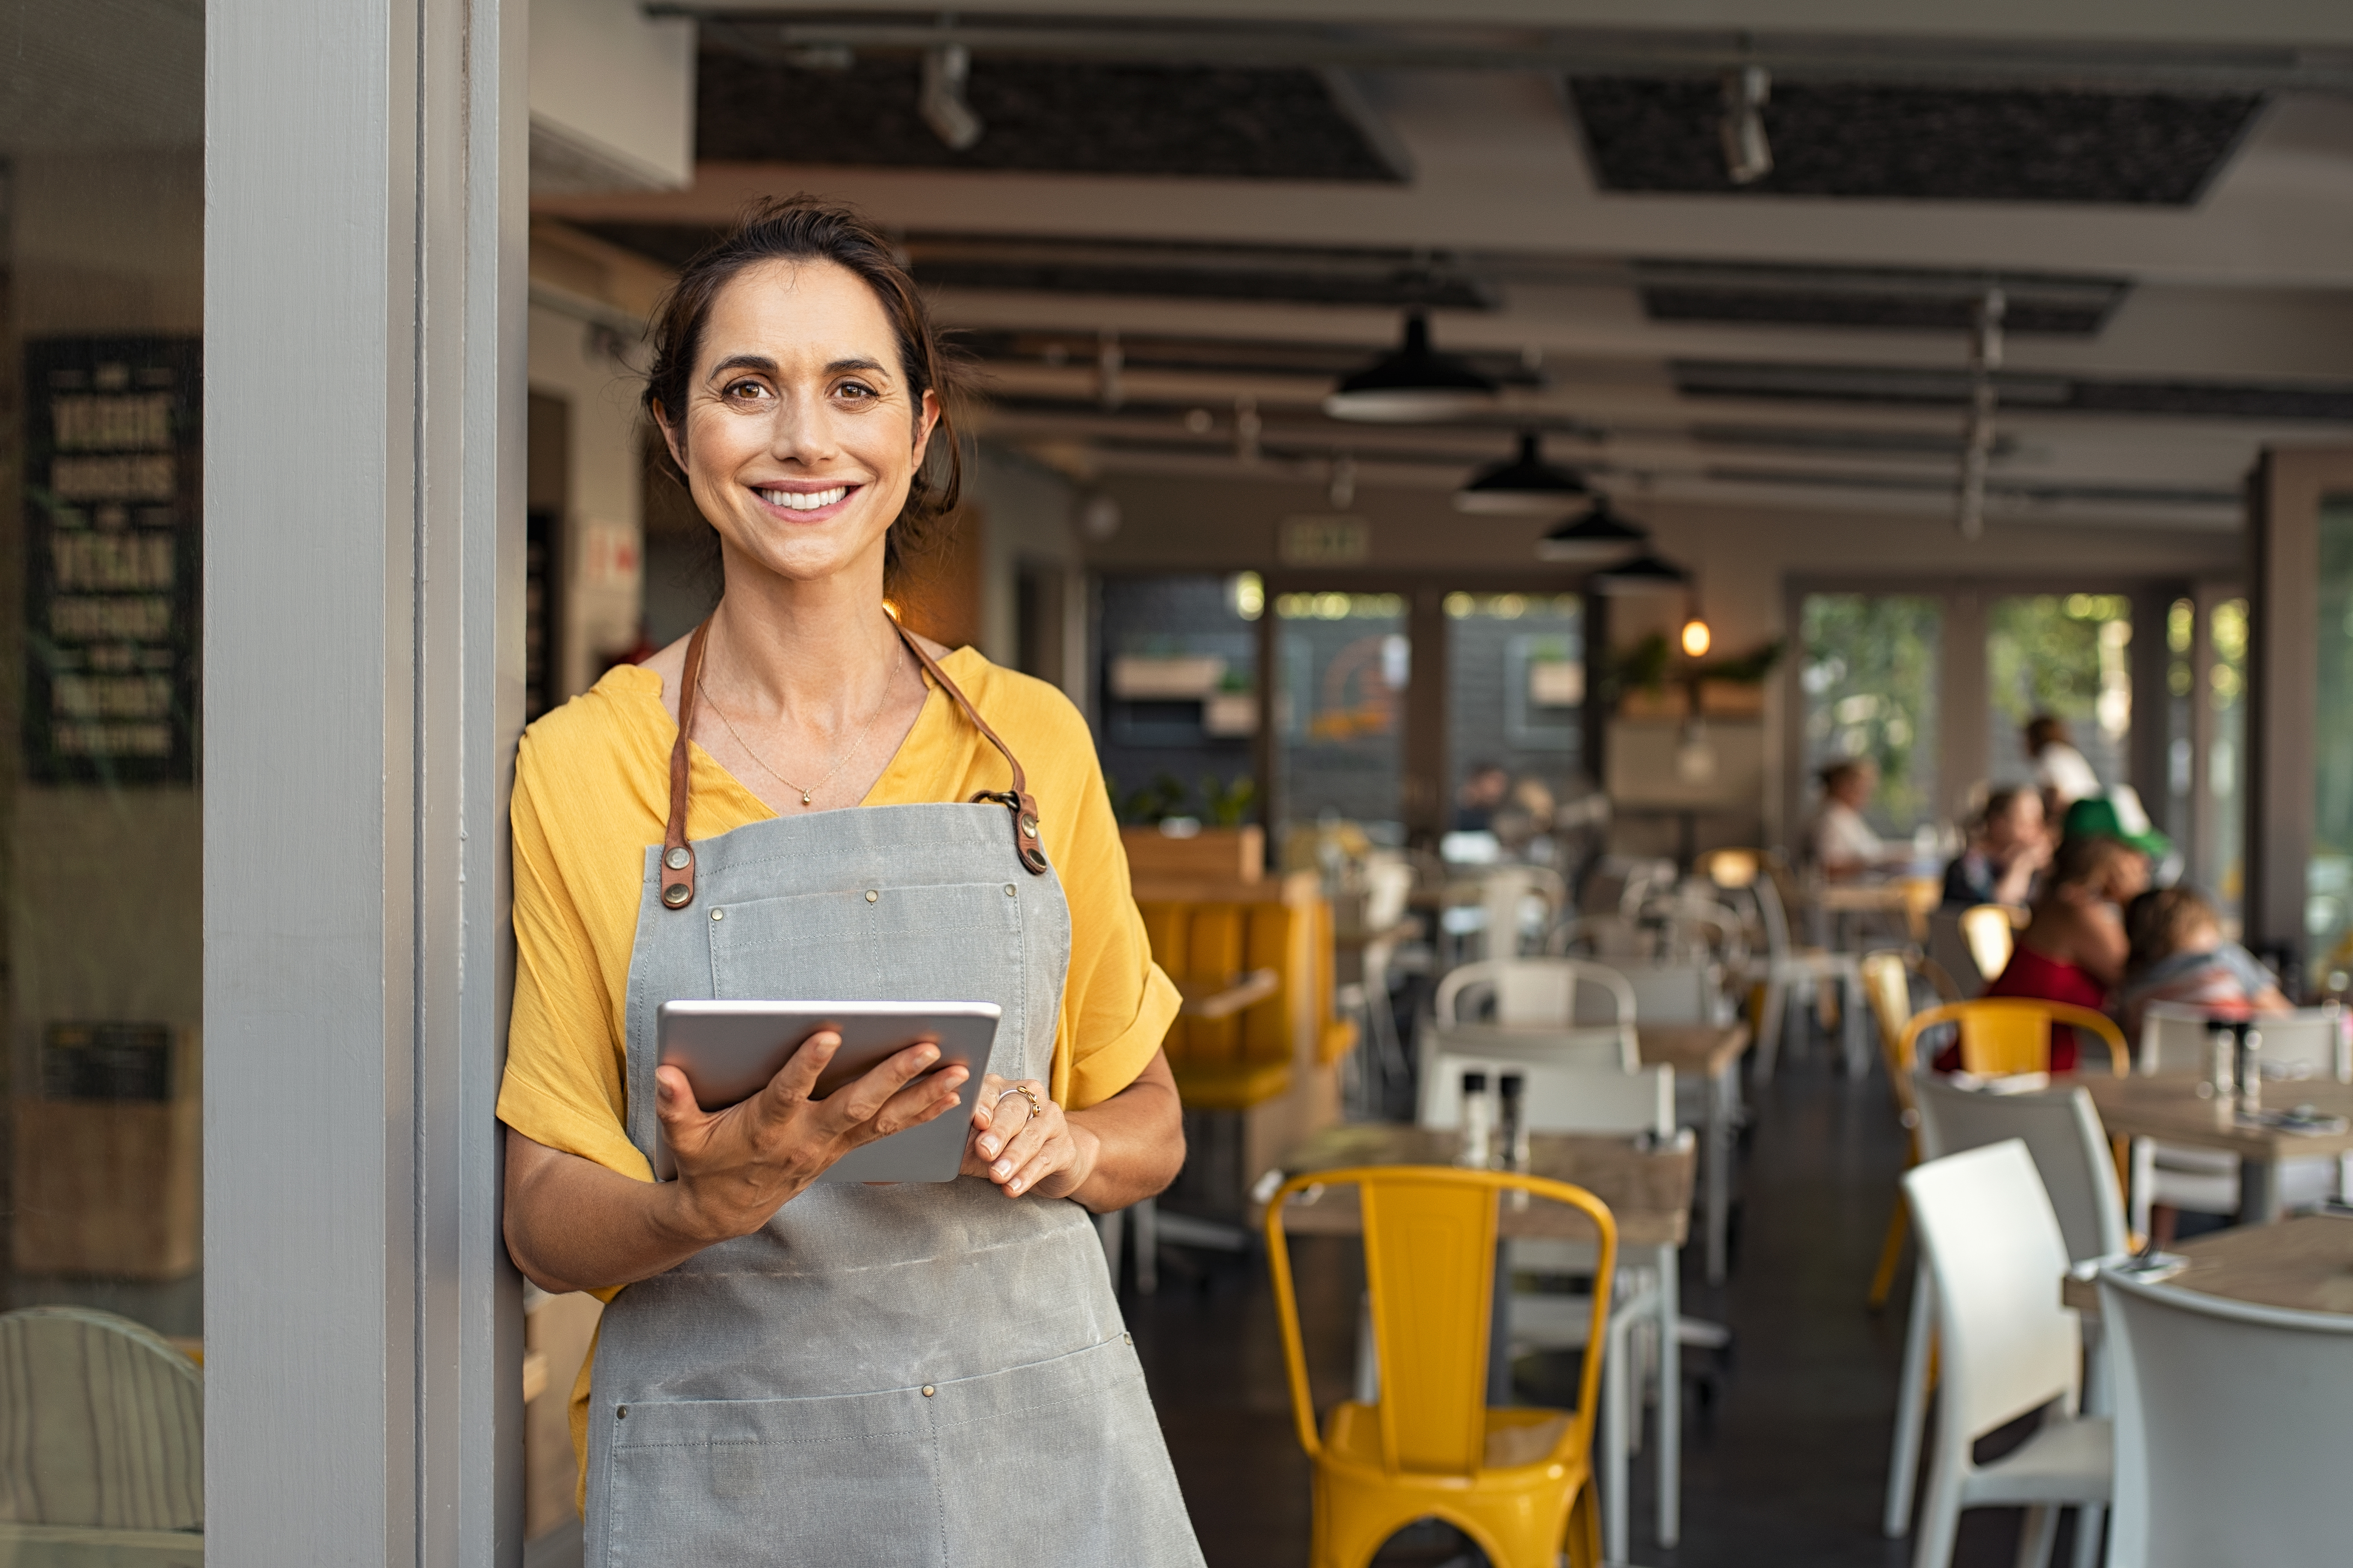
{"x":1671,"y":1397}
{"x":1721,"y":1090}
{"x":2259,"y":1192}
{"x":1853,"y":1025}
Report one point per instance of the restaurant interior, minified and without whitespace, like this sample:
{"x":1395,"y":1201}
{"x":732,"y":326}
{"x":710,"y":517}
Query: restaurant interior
{"x":1722,"y":639}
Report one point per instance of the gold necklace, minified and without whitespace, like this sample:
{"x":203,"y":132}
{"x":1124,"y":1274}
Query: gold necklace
{"x":758,"y":761}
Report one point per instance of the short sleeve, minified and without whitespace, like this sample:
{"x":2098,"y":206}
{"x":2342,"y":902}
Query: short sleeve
{"x":1117,"y":1006}
{"x":562,"y":1085}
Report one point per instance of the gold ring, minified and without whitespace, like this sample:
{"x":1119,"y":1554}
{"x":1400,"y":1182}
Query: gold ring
{"x":1024,"y":1090}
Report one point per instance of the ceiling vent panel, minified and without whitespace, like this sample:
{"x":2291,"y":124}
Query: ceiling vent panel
{"x":1917,"y":143}
{"x":1882,"y":297}
{"x":2305,"y":402}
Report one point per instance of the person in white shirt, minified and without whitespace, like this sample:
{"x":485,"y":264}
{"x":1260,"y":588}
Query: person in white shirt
{"x":2060,"y":771}
{"x":1838,"y":839}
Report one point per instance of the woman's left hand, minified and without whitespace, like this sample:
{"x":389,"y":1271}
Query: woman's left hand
{"x":1027,"y":1150}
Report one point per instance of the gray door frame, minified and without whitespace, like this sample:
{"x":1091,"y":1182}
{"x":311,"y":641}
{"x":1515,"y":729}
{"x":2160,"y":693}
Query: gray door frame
{"x":365,"y":262}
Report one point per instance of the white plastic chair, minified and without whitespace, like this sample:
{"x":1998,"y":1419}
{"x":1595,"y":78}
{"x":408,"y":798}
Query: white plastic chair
{"x":1592,"y":1006}
{"x":1510,"y":895}
{"x":1783,"y":968}
{"x":2175,"y":1038}
{"x":2233,"y":1422}
{"x":1949,"y":945}
{"x":1996,"y":1253}
{"x":2061,"y":1132}
{"x":105,"y":1464}
{"x":1578,"y":1098}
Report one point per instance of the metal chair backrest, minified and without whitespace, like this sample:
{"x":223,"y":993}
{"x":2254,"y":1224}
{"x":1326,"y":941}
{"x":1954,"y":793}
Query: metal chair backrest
{"x":1557,"y":1097}
{"x":2173,"y":1039}
{"x":2060,"y":1130}
{"x":1949,"y":946}
{"x":1388,"y":887}
{"x":1537,"y":991}
{"x":2003,"y":1034}
{"x":1996,"y":1253}
{"x":1986,"y":929}
{"x":2233,"y":1424}
{"x":1505,"y":892}
{"x":2310,"y":1038}
{"x":106,"y":1426}
{"x":1429,"y":1270}
{"x":1676,"y":993}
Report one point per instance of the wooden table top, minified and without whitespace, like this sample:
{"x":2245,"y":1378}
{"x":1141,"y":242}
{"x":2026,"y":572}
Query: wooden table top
{"x":2303,"y":1264}
{"x":1700,"y":1050}
{"x":1648,"y":1193}
{"x":2167,"y":1106}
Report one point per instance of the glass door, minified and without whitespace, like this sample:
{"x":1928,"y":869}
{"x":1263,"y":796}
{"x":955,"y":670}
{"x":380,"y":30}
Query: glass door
{"x":1344,"y":662}
{"x":2066,"y":656}
{"x":1869,"y":684}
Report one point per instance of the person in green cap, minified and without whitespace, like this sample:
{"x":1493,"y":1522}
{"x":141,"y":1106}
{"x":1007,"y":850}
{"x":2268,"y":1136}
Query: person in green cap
{"x":2117,"y":812}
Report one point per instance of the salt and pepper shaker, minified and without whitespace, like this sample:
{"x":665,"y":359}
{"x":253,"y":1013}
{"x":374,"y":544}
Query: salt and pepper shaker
{"x":1478,"y":1149}
{"x":2221,"y":1065}
{"x":2249,"y":1068}
{"x":1512,"y":1086}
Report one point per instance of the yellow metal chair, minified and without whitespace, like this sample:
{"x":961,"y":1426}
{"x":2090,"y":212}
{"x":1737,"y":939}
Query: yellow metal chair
{"x":1888,"y":981}
{"x":1518,"y":1479}
{"x":2002,"y":1034}
{"x":1992,"y":931}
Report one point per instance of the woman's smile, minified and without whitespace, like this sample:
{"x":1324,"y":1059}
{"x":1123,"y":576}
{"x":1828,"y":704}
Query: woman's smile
{"x":799,"y":503}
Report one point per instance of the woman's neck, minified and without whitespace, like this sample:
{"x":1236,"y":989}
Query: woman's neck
{"x":822,"y":650}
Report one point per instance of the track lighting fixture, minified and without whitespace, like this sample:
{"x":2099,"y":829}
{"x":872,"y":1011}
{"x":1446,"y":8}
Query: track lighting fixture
{"x":1977,"y":437}
{"x":942,"y":100}
{"x":1747,"y":157}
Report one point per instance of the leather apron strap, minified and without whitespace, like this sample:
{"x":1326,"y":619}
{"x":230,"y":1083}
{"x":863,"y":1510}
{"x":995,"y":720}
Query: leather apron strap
{"x":678,"y":855}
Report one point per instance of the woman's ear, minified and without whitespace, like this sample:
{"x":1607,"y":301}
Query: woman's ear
{"x":673,"y":436}
{"x":927,"y":419}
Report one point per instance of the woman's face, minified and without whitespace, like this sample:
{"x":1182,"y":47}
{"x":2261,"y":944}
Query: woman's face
{"x":2021,"y":824}
{"x":799,"y":438}
{"x":2128,"y":878}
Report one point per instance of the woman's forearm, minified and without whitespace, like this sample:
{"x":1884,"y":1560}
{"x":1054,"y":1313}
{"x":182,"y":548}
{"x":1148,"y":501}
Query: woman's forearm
{"x":1139,"y":1141}
{"x":572,"y":1225}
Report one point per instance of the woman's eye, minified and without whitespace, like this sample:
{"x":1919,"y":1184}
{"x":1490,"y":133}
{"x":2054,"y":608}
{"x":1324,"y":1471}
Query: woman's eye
{"x":745,"y":390}
{"x":856,"y":391}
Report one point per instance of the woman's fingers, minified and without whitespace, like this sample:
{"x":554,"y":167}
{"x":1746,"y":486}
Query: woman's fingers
{"x":984,"y":1108}
{"x":920,"y":1101}
{"x":797,"y":1079}
{"x":1009,"y":1115}
{"x":863,"y":1099}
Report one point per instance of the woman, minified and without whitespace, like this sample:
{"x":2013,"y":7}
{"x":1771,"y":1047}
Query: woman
{"x":2072,"y":949}
{"x":2061,"y":771}
{"x":1838,"y":839}
{"x":2179,"y":956}
{"x":2011,"y":846}
{"x":841,"y":1373}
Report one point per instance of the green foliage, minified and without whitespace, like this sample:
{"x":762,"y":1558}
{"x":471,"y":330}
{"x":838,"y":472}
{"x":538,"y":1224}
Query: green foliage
{"x":1229,"y":804}
{"x":2052,"y":653}
{"x":1870,"y":684}
{"x":1223,"y":804}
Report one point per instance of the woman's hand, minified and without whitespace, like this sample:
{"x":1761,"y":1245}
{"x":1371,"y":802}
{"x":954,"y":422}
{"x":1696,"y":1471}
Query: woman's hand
{"x":737,"y":1167}
{"x":1027,"y":1150}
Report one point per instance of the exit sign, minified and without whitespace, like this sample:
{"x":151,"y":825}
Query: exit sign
{"x":1324,"y":540}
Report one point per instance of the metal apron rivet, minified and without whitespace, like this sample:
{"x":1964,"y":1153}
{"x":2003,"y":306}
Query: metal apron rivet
{"x":718,"y":914}
{"x":871,"y":895}
{"x":1010,"y":892}
{"x":1029,"y":827}
{"x":929,"y":1391}
{"x":1127,"y":1339}
{"x":676,"y":896}
{"x":677,"y":859}
{"x":621,"y":1413}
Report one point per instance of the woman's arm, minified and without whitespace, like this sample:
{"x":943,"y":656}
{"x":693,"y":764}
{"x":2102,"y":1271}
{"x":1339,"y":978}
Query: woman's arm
{"x":1105,"y":1157}
{"x":572,"y":1225}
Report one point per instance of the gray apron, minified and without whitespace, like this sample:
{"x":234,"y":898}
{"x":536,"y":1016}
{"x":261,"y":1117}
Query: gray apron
{"x":927,"y":1373}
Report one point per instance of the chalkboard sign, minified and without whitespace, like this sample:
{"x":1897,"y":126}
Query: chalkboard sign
{"x":112,"y":558}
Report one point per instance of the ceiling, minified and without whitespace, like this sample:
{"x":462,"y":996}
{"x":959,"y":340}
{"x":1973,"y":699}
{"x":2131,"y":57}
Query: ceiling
{"x":1173,"y":234}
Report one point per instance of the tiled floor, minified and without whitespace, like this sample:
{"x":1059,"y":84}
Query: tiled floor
{"x":1785,"y":1452}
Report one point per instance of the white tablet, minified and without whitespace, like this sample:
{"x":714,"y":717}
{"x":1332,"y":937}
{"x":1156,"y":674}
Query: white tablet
{"x":730,"y":1050}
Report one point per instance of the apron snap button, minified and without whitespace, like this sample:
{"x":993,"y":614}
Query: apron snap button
{"x":621,"y":1413}
{"x":929,"y":1391}
{"x":1127,"y":1339}
{"x":676,"y":895}
{"x":1008,"y":890}
{"x":718,"y":914}
{"x":871,"y":895}
{"x":677,"y":859}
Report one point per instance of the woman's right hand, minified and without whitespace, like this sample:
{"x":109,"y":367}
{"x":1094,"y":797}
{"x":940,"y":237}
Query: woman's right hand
{"x":737,"y":1167}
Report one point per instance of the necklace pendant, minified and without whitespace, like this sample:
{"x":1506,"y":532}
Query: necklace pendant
{"x":804,"y":798}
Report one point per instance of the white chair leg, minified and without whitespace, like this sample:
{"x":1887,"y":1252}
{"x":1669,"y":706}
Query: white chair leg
{"x":1670,"y":1399}
{"x":2088,"y":1520}
{"x":1911,"y":1407}
{"x":1147,"y":1245}
{"x":1772,"y":1015}
{"x":2037,"y":1536}
{"x":1617,"y":1393}
{"x":2144,"y":1177}
{"x":1940,"y":1516}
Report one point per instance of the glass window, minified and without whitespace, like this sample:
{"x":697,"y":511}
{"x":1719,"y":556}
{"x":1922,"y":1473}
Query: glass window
{"x":102,"y":303}
{"x":2224,"y":860}
{"x":1869,"y":686}
{"x":1178,"y":688}
{"x":1340,"y":710}
{"x":1514,"y":690}
{"x":2064,"y":653}
{"x":2328,"y":884}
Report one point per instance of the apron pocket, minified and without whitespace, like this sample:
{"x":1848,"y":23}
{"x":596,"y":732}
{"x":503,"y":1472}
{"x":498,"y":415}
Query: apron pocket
{"x":796,"y":1483}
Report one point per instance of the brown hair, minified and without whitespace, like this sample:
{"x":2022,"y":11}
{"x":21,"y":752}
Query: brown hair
{"x":2084,"y":860}
{"x":2044,"y":729}
{"x":1835,"y":774}
{"x":2159,"y":921}
{"x":805,"y":228}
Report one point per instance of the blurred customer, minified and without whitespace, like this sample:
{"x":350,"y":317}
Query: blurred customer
{"x":2011,"y":846}
{"x":2177,"y":954}
{"x":2060,"y":771}
{"x":1476,"y":802}
{"x":2073,"y":948}
{"x":1837,"y":840}
{"x":1526,"y":814}
{"x":2118,"y":814}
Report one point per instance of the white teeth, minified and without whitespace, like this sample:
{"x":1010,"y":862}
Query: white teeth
{"x":794,"y":500}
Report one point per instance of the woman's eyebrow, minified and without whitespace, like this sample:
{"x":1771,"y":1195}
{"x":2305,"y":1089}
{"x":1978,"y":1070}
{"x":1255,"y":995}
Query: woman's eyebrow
{"x":760,"y":362}
{"x":842,"y":364}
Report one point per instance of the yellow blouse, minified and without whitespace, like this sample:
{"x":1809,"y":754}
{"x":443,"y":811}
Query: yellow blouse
{"x":591,"y":791}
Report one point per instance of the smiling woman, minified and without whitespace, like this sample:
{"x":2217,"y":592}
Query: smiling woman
{"x":956,"y":1346}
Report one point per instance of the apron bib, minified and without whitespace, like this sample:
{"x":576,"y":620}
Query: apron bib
{"x":927,"y":1373}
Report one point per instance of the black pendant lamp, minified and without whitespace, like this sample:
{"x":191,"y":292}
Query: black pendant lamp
{"x":1599,"y":535}
{"x":1646,"y":573}
{"x":1415,"y":384}
{"x":1522,"y":484}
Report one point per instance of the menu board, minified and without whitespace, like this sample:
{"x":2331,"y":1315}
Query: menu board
{"x":112,"y":443}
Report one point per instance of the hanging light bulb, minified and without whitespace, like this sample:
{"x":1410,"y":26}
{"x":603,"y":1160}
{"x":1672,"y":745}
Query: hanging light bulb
{"x":1697,"y":637}
{"x":1523,"y":483}
{"x":1415,"y":384}
{"x":941,"y":99}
